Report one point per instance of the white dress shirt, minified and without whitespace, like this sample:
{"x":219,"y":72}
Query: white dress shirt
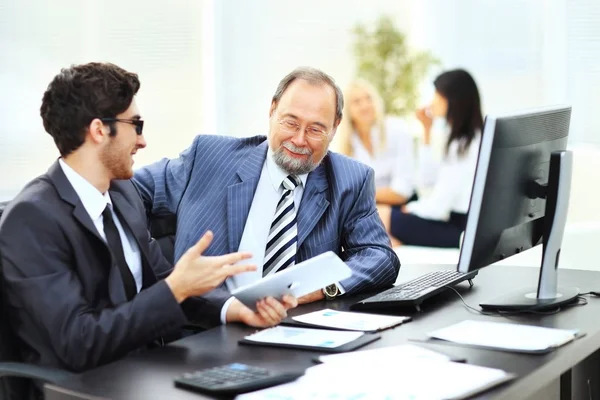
{"x":394,"y":165}
{"x":450,"y":182}
{"x":94,"y":203}
{"x":256,"y":231}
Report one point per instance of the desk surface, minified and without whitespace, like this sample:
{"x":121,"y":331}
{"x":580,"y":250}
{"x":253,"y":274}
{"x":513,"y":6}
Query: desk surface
{"x":151,"y":374}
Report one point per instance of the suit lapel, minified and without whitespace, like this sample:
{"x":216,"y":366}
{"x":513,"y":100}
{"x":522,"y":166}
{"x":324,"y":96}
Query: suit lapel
{"x":116,"y":289}
{"x":313,"y":203}
{"x":240,"y":194}
{"x":68,"y":194}
{"x":137,"y":228}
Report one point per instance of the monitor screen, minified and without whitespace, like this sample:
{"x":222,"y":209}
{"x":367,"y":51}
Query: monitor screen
{"x":517,"y":201}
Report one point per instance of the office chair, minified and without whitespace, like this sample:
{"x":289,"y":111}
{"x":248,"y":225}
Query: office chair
{"x":15,"y":376}
{"x":162,"y":229}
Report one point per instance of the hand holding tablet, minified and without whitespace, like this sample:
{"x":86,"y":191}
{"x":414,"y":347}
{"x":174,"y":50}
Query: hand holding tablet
{"x":298,"y":280}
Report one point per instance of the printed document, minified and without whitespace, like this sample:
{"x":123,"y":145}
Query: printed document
{"x":404,"y":352}
{"x":353,"y":321}
{"x":505,"y":336}
{"x":304,"y":336}
{"x":407,"y":380}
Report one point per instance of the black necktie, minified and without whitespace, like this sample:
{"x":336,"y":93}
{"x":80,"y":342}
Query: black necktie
{"x":116,"y":248}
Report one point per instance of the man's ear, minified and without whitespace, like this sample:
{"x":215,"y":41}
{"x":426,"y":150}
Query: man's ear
{"x":97,"y":131}
{"x":335,"y":126}
{"x":273,"y":108}
{"x":336,"y":123}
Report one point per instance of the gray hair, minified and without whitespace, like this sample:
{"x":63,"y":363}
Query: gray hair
{"x":315,"y":77}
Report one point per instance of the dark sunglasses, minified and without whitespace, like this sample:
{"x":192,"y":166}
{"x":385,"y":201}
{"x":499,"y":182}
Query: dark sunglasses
{"x":139,"y":124}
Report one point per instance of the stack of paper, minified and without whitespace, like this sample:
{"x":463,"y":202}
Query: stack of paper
{"x":402,"y":352}
{"x":352,"y":321}
{"x":304,"y":337}
{"x":407,"y":379}
{"x":322,"y":340}
{"x":506,"y":336}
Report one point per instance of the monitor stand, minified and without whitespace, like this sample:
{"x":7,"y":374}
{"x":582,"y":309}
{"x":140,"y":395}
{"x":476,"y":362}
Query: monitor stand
{"x":528,"y":301}
{"x":547,"y":296}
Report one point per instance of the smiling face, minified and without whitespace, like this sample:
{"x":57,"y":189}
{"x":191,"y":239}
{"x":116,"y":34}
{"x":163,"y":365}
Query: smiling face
{"x":117,"y":153}
{"x":311,"y":108}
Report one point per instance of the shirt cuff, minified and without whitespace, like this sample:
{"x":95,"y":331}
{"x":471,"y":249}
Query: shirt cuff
{"x":403,"y":189}
{"x":340,"y":288}
{"x":411,"y":207}
{"x":224,"y":310}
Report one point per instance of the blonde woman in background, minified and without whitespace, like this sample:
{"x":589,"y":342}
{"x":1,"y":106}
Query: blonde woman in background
{"x":383,"y":143}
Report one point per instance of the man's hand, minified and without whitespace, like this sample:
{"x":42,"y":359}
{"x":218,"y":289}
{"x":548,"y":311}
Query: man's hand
{"x":269,"y":312}
{"x":309,"y":298}
{"x":195,"y":274}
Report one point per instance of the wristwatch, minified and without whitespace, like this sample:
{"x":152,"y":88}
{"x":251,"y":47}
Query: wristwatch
{"x":331,"y":291}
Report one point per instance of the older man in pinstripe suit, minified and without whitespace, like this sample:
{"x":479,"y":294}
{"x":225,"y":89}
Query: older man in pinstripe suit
{"x":285,"y":199}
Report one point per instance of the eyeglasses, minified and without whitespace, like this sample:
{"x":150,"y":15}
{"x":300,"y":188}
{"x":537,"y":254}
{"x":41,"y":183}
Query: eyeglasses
{"x":139,"y":124}
{"x":292,"y":127}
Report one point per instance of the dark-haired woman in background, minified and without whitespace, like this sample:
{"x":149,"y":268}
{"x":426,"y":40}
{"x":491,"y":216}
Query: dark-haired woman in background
{"x":438,"y":218}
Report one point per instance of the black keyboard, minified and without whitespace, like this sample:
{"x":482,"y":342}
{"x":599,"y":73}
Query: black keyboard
{"x":416,"y":291}
{"x":233,"y":379}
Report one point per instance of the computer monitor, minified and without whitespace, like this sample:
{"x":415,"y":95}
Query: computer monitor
{"x":519,"y":200}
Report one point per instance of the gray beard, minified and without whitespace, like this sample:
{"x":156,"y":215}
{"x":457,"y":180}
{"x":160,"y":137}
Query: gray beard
{"x":293,"y":166}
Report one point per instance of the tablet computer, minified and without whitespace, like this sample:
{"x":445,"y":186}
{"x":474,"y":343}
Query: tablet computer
{"x":298,"y":280}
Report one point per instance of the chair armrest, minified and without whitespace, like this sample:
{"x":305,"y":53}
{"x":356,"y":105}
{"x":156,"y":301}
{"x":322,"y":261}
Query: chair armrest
{"x":22,"y":370}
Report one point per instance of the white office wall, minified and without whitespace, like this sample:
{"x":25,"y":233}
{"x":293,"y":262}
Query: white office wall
{"x":260,"y":41}
{"x":499,"y":42}
{"x":212,"y":65}
{"x":159,"y":40}
{"x":582,"y":55}
{"x":523,"y":53}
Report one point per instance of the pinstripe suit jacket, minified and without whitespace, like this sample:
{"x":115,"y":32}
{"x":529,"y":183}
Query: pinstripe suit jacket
{"x":211,"y":186}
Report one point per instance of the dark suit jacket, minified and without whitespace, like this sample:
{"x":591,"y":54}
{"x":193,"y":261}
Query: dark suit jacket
{"x":212,"y":185}
{"x":65,"y":295}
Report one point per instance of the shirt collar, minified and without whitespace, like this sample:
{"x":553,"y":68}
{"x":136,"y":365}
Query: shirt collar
{"x":277,"y":175}
{"x":93,"y":201}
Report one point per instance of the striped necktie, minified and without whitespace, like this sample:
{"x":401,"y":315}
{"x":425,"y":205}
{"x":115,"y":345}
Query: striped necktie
{"x":280,"y":252}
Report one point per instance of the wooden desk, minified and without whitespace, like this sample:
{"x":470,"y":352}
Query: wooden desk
{"x":150,"y":375}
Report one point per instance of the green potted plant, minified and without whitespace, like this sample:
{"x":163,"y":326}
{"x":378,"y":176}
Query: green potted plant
{"x":385,"y":59}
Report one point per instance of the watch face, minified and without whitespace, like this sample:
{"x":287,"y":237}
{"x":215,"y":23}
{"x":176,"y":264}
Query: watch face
{"x":331,"y":290}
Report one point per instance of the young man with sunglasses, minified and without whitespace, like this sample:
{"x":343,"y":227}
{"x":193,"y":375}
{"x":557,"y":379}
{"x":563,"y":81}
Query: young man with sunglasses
{"x":284,"y":197}
{"x":84,"y":282}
